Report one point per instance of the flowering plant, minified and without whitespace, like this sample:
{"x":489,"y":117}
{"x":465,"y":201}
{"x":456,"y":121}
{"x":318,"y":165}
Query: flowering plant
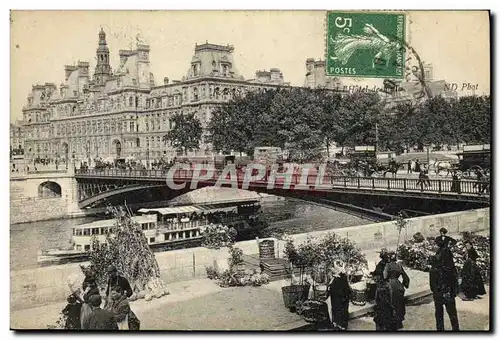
{"x":331,"y":251}
{"x":229,"y":278}
{"x":216,"y":236}
{"x":416,"y":255}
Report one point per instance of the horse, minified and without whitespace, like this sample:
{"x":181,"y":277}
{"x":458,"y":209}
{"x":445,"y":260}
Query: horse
{"x":443,"y":165}
{"x":392,"y":167}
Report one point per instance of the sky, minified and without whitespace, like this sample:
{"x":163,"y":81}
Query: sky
{"x":42,"y":42}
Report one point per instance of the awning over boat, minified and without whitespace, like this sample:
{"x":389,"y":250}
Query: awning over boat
{"x":97,"y":224}
{"x":144,"y":219}
{"x":173,"y":210}
{"x":212,"y":208}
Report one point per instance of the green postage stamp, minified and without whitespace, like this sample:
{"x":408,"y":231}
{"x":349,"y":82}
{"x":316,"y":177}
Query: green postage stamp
{"x":365,"y":44}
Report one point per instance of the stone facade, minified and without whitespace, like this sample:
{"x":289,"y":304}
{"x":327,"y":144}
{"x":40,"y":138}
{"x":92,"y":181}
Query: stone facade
{"x":122,"y":112}
{"x":16,"y":138}
{"x":316,"y":76}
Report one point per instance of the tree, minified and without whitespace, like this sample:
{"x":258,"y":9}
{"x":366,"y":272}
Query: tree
{"x":397,"y":128}
{"x":127,"y":249}
{"x":358,"y":114}
{"x":297,"y":114}
{"x":186,"y":132}
{"x":474,"y":119}
{"x":330,"y":119}
{"x":243,"y":123}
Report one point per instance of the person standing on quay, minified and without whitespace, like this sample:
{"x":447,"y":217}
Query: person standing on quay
{"x":385,"y":317}
{"x":472,"y":282}
{"x":393,"y":270}
{"x":378,"y":273}
{"x":443,"y":283}
{"x":444,"y":243}
{"x":340,"y":294}
{"x":116,"y":280}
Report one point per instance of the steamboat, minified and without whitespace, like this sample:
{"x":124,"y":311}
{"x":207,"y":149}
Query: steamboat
{"x":165,"y":228}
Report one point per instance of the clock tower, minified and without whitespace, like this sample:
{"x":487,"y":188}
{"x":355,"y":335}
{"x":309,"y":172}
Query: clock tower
{"x":102,"y":69}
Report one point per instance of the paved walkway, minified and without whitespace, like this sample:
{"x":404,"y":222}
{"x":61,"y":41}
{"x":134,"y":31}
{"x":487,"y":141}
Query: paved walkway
{"x":203,"y":305}
{"x":472,"y":316}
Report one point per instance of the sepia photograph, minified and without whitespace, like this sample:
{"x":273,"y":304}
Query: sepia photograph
{"x":252,"y":170}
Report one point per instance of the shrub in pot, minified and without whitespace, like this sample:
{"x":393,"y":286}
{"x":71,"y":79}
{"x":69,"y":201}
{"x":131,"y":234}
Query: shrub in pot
{"x":298,"y":258}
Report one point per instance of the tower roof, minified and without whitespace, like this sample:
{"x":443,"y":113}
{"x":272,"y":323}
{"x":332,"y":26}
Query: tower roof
{"x":103,"y":46}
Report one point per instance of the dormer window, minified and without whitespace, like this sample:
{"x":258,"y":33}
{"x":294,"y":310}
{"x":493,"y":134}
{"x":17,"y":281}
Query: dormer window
{"x":194,"y":70}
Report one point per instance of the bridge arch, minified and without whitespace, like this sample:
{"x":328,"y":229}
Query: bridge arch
{"x":49,"y":189}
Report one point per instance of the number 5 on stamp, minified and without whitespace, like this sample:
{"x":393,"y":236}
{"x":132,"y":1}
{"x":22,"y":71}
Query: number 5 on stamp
{"x":369,"y":45}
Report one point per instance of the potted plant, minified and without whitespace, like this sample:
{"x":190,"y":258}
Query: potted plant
{"x":296,"y":291}
{"x":236,"y":259}
{"x":336,"y":250}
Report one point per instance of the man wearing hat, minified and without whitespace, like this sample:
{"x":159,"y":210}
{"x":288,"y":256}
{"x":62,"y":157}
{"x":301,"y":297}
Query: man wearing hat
{"x":99,"y":319}
{"x":116,"y":280}
{"x":444,"y":243}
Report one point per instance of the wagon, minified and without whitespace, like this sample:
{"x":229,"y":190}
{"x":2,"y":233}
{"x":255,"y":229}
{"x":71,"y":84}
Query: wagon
{"x":475,"y":158}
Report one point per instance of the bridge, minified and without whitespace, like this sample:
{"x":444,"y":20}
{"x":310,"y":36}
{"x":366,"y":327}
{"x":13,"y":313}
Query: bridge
{"x":386,"y":196}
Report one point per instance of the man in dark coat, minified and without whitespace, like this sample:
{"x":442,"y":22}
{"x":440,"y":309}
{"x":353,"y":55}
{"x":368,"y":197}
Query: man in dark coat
{"x":100,"y":319}
{"x":116,"y":280}
{"x":443,"y":283}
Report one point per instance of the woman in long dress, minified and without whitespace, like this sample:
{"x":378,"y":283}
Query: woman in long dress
{"x":392,"y":272}
{"x":384,"y":312}
{"x":340,"y":294}
{"x":472,"y":282}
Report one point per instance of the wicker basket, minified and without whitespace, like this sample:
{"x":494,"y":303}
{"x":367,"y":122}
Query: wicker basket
{"x":359,"y":297}
{"x":294,"y":293}
{"x":319,"y":294}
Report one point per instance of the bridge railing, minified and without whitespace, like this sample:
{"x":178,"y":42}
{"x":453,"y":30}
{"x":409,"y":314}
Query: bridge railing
{"x":293,"y":180}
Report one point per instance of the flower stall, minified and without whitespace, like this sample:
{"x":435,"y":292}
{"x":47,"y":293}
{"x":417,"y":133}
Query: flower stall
{"x":416,"y":253}
{"x":315,"y":258}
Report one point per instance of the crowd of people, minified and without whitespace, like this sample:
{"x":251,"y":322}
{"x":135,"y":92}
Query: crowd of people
{"x":86,"y":309}
{"x":392,"y":282}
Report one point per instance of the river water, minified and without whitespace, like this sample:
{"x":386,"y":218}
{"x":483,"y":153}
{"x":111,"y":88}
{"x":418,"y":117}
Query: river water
{"x":26,"y":239}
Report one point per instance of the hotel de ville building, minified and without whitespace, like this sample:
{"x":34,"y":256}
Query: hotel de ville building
{"x":123,"y":112}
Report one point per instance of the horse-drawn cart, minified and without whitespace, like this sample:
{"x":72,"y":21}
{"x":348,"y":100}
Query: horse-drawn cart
{"x":474,"y":159}
{"x":366,"y":162}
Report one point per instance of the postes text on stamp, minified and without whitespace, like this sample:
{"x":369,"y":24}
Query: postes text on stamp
{"x":363,"y":44}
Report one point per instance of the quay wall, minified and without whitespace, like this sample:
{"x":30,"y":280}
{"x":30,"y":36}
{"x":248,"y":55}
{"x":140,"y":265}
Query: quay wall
{"x":39,"y":286}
